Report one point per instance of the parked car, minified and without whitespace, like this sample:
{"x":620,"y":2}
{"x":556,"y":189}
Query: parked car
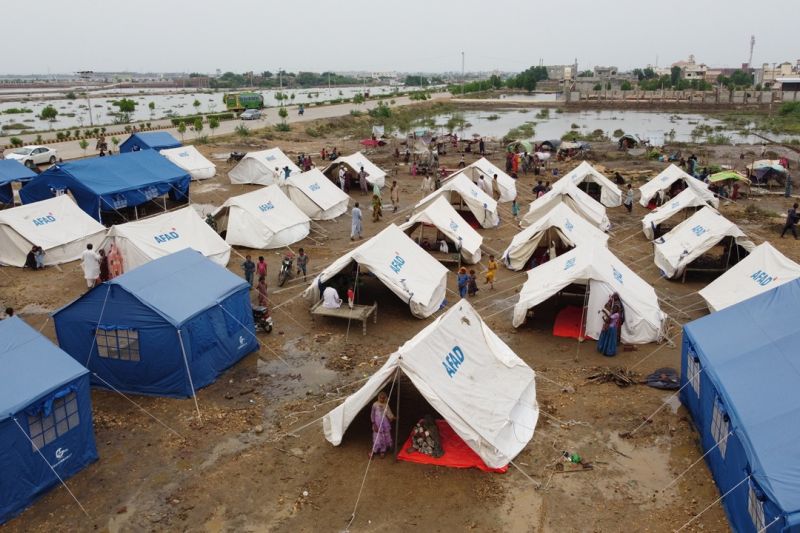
{"x":31,"y":156}
{"x":250,"y":114}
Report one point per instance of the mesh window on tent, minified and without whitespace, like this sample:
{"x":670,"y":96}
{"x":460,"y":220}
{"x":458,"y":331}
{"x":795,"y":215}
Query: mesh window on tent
{"x":756,"y":509}
{"x":122,"y":344}
{"x":44,"y":429}
{"x":693,"y":371}
{"x":720,"y":427}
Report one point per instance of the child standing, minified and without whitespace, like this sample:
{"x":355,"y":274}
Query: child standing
{"x":472,"y":284}
{"x":515,"y":209}
{"x":249,"y":269}
{"x":302,"y":263}
{"x":463,"y":282}
{"x":491,"y":271}
{"x":351,"y":297}
{"x":261,"y":267}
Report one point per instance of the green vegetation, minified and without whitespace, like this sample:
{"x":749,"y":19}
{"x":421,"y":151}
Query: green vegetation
{"x":626,"y":86}
{"x":231,"y":80}
{"x":70,"y":95}
{"x":381,"y":112}
{"x":618,"y":133}
{"x":417,"y":81}
{"x":198,"y":124}
{"x":521,"y":132}
{"x":84,"y":144}
{"x":738,"y":80}
{"x":597,"y":135}
{"x":16,"y":142}
{"x":544,"y":114}
{"x":182,"y":129}
{"x":242,"y":131}
{"x":16,"y":126}
{"x":125,"y":105}
{"x":49,"y":113}
{"x":203,"y":139}
{"x":213,"y":123}
{"x":17,"y":111}
{"x":494,"y":82}
{"x":283,"y":126}
{"x":191,"y":118}
{"x":359,"y":99}
{"x":786,"y":120}
{"x":417,"y":96}
{"x":527,"y":79}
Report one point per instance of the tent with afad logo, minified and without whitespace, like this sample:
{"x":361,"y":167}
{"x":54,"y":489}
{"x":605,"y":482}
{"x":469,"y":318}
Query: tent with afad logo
{"x":57,"y":225}
{"x":575,"y":199}
{"x":148,"y":140}
{"x":478,"y":385}
{"x":603,"y":274}
{"x":463,"y":194}
{"x":764,"y":269}
{"x":558,"y":231}
{"x":667,"y":178}
{"x":739,"y":373}
{"x":316,"y":195}
{"x":461,"y":237}
{"x":687,"y":200}
{"x":109,"y":184}
{"x":192,"y":161}
{"x":262,"y":219}
{"x":263,"y":168}
{"x":46,"y":430}
{"x":354,"y":163}
{"x":166,"y":328}
{"x":141,"y":241}
{"x":400,"y":264}
{"x":695,"y":236}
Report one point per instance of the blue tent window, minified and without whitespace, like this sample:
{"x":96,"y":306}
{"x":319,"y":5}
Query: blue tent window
{"x":756,"y":509}
{"x":122,"y":344}
{"x":693,"y":372}
{"x":720,"y":427}
{"x":45,"y":428}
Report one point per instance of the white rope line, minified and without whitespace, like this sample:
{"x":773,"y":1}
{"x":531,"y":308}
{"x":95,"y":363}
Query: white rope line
{"x":657,"y":349}
{"x":35,"y":447}
{"x":99,"y":319}
{"x":350,"y":315}
{"x":145,"y":411}
{"x":665,"y":403}
{"x":712,"y":504}
{"x":253,"y":334}
{"x":371,"y":456}
{"x":189,"y":373}
{"x":538,"y":485}
{"x":700,"y":459}
{"x":768,"y":525}
{"x":45,"y":323}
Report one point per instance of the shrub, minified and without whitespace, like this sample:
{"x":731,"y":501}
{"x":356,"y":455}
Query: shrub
{"x":283,"y":127}
{"x":356,"y":113}
{"x":242,"y":131}
{"x":203,"y":139}
{"x":198,"y":124}
{"x":15,"y":142}
{"x":39,"y":139}
{"x":618,"y":133}
{"x":60,"y":135}
{"x":49,"y":113}
{"x":125,"y":105}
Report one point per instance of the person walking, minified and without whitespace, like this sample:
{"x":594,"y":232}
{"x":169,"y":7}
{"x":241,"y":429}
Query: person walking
{"x":261,"y":266}
{"x":491,"y":272}
{"x":628,"y":201}
{"x":463,"y":282}
{"x":394,"y":196}
{"x":249,"y":269}
{"x":355,"y":224}
{"x":261,"y":289}
{"x":362,"y":181}
{"x":791,"y":221}
{"x":342,"y":178}
{"x":90,"y":263}
{"x":302,"y":263}
{"x":105,"y":271}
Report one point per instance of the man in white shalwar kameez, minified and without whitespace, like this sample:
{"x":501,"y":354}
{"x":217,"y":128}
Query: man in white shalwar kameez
{"x":90,"y":262}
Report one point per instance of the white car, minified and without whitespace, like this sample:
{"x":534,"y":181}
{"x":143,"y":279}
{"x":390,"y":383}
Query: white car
{"x":34,"y":155}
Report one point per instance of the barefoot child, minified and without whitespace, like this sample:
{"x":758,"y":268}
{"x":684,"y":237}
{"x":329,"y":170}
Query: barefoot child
{"x":491,"y":271}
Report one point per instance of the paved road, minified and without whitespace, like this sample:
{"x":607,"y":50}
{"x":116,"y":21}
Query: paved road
{"x":72,"y":150}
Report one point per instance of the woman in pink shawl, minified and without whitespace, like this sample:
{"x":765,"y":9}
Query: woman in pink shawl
{"x":381,"y":417}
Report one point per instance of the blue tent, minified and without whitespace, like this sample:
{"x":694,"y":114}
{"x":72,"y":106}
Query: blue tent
{"x":45,"y":416}
{"x":742,"y":367}
{"x":163,"y":328}
{"x":12,"y":170}
{"x":103,"y":184}
{"x":152,"y":140}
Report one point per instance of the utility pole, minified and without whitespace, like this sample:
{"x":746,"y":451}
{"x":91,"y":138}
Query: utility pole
{"x":463,"y":79}
{"x":85,"y":75}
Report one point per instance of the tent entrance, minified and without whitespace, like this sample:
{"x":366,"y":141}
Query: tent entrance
{"x":669,"y":224}
{"x":367,"y":288}
{"x":716,"y":260}
{"x":551,"y":245}
{"x":563,"y":314}
{"x":592,"y":189}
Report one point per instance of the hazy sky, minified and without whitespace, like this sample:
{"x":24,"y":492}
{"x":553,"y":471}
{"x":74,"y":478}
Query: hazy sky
{"x":378,"y":35}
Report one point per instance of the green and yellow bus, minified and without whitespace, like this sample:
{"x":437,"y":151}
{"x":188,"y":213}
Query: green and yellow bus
{"x":242,"y":101}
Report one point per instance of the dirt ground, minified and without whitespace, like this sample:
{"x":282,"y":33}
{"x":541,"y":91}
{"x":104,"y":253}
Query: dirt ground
{"x":258,"y":461}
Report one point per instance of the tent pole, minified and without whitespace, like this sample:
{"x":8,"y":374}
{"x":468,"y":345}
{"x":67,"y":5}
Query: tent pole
{"x":136,"y":211}
{"x":397,"y":419}
{"x":188,"y":373}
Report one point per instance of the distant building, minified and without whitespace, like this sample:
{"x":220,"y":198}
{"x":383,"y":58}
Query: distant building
{"x":691,"y":69}
{"x":605,"y":72}
{"x":767,"y":75}
{"x":787,"y":84}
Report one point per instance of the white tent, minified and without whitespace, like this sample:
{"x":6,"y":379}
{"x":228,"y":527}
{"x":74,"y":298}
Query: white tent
{"x":687,"y":199}
{"x":764,"y":269}
{"x":469,"y":376}
{"x":567,"y":227}
{"x":57,"y":224}
{"x":354,"y":162}
{"x":192,"y":161}
{"x":441,"y":214}
{"x":261,"y":219}
{"x":576,"y":199}
{"x":693,"y":237}
{"x":605,"y":275}
{"x":670,"y":175}
{"x":479,"y":203}
{"x":143,"y":240}
{"x":262,"y":168}
{"x":610,"y":195}
{"x":400,"y":264}
{"x":506,"y":185}
{"x":316,"y":195}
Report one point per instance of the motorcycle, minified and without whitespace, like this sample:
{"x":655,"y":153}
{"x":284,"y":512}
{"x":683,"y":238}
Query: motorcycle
{"x":262,"y":319}
{"x":286,"y":269}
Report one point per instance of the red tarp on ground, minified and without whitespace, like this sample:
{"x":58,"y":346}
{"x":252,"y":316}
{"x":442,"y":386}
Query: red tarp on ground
{"x":568,"y":322}
{"x":372,"y":143}
{"x":456,"y":452}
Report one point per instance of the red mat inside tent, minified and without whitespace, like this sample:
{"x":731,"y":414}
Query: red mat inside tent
{"x":456,"y":452}
{"x":568,"y":322}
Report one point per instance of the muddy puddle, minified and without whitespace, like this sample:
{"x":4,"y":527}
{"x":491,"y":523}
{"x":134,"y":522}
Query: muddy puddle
{"x":299,"y":372}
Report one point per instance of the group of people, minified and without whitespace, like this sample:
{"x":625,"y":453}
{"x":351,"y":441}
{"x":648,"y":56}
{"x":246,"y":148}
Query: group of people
{"x":252,"y":269}
{"x":304,"y":162}
{"x":35,"y":258}
{"x":468,"y":281}
{"x":99,"y":266}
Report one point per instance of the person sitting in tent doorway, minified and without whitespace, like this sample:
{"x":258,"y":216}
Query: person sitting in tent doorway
{"x":330,"y":298}
{"x":382,"y":418}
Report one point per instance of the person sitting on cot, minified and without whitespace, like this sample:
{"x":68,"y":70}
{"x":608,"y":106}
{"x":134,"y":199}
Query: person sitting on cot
{"x":330,"y":298}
